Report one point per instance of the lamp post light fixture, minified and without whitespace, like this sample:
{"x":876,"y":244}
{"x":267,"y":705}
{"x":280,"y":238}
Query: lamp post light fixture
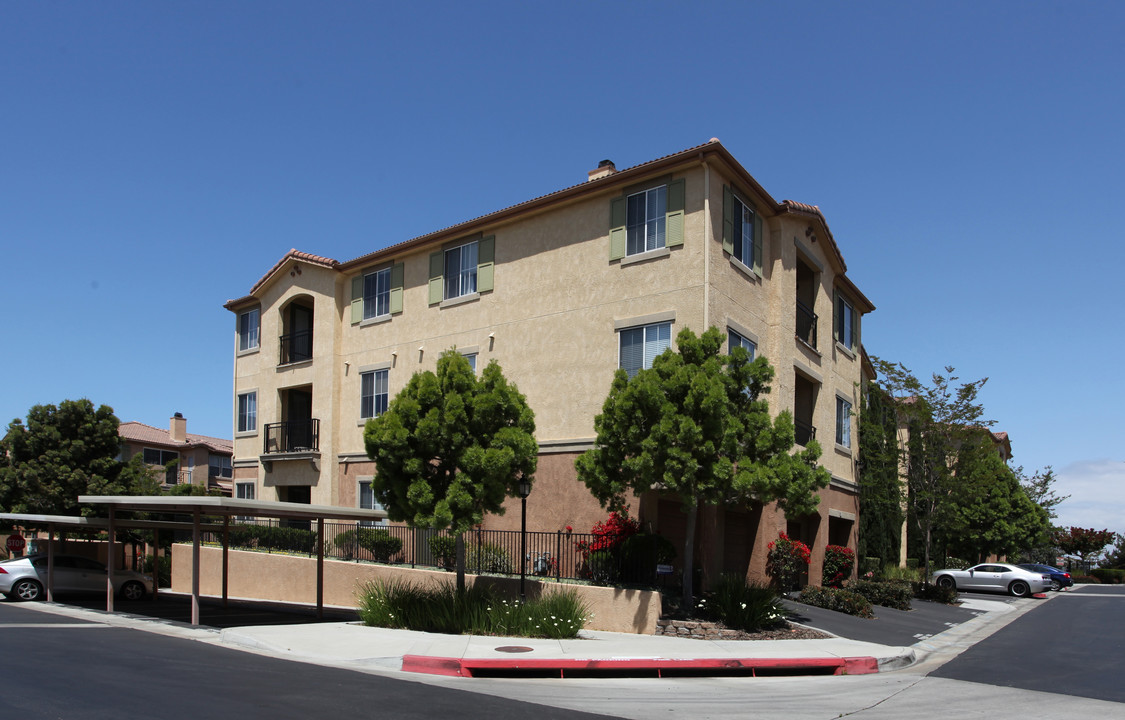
{"x":525,"y":490}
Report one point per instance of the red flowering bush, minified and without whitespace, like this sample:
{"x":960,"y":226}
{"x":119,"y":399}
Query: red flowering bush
{"x":600,"y":554}
{"x":786,"y":560}
{"x":838,"y":564}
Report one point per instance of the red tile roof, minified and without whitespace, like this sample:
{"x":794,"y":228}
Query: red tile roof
{"x":139,"y":432}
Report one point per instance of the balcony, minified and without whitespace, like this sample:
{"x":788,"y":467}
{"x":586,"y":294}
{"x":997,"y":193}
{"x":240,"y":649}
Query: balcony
{"x":806,"y":324}
{"x":296,"y":347}
{"x":805,"y":432}
{"x":292,"y":436}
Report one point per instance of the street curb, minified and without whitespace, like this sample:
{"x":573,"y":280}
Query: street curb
{"x":639,"y":667}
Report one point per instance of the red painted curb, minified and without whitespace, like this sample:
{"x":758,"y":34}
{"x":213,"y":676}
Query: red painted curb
{"x":465,"y":667}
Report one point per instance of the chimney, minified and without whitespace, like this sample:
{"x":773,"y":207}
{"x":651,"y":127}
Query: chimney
{"x":605,"y":168}
{"x":177,"y":428}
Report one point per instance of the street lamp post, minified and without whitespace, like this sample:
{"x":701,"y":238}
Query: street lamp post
{"x":525,"y":490}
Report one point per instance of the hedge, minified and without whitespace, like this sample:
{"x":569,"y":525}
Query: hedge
{"x":892,"y":594}
{"x":836,"y":599}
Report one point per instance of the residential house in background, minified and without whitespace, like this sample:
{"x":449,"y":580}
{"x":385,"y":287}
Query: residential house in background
{"x":562,"y":290}
{"x":199,"y":459}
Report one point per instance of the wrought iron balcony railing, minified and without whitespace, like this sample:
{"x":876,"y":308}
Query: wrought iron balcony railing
{"x":292,"y":436}
{"x":806,"y":324}
{"x":296,"y":347}
{"x":805,"y":432}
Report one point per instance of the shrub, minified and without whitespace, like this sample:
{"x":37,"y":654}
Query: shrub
{"x":741,"y":605}
{"x":477,"y":609}
{"x":601,"y":567}
{"x":838,"y":564}
{"x":1108,"y":575}
{"x":444,"y":550}
{"x":838,"y":600}
{"x":609,"y":536}
{"x":893,"y":594}
{"x":912,"y":562}
{"x":269,"y":537}
{"x":380,"y":543}
{"x":894,"y":572}
{"x":487,"y":557}
{"x":870,"y":566}
{"x":1088,"y":579}
{"x":786,"y":560}
{"x":925,"y":591}
{"x":952,"y":563}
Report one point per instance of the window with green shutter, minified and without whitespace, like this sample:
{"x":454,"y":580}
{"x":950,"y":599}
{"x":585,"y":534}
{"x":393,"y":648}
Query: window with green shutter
{"x":462,"y":269}
{"x":378,"y":293}
{"x":647,"y":220}
{"x":846,"y":322}
{"x":742,"y":230}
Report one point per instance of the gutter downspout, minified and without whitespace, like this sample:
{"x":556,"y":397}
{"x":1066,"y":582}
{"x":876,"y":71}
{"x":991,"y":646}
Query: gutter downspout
{"x":706,"y":247}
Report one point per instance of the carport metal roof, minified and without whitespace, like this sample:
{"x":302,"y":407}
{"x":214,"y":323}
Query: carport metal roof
{"x":198,"y":507}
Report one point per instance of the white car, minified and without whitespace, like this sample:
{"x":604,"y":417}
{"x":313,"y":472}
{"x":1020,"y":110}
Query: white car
{"x":25,"y":578}
{"x":994,"y":577}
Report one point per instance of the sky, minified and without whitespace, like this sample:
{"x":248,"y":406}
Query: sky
{"x":156,"y":159}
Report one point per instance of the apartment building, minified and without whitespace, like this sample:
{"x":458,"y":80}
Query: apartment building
{"x":182,"y":457}
{"x":561,"y":290}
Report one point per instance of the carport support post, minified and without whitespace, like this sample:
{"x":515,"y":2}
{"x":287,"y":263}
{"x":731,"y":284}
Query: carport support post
{"x":320,"y":568}
{"x":50,"y":563}
{"x":226,"y":544}
{"x":155,"y":562}
{"x":195,"y":567}
{"x":109,"y":563}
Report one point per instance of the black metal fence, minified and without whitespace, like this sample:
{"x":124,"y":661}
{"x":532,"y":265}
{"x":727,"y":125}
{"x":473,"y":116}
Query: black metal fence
{"x":549,"y":555}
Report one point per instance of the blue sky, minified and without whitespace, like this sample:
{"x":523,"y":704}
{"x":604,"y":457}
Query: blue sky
{"x":158,"y":158}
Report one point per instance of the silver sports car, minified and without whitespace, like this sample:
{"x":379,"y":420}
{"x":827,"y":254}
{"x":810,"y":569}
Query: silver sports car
{"x":25,"y":578}
{"x":994,"y":577}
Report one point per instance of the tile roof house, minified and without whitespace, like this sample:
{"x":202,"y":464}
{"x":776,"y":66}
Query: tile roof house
{"x":199,"y":459}
{"x":562,"y":290}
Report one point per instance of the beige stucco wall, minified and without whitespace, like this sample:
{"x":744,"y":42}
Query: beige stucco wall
{"x":290,"y":578}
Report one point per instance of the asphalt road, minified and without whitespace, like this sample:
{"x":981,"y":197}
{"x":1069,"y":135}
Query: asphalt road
{"x":1073,"y":645}
{"x":55,"y":667}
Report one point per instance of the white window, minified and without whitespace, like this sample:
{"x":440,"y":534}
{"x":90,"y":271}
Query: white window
{"x":639,"y":346}
{"x":377,"y":294}
{"x":645,"y":218}
{"x":461,"y":270}
{"x":248,"y":329}
{"x":373,"y":393}
{"x":744,"y":246}
{"x":472,"y":358}
{"x":219,"y":466}
{"x":846,"y":330}
{"x":843,"y":422}
{"x":244,"y":490}
{"x":248,"y":412}
{"x":735,"y":340}
{"x":367,"y":502}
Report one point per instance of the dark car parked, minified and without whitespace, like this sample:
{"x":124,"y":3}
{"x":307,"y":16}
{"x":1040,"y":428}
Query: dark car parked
{"x":1059,"y":578}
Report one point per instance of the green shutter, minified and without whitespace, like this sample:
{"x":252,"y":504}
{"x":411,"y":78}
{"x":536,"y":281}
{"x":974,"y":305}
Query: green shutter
{"x":486,"y":253}
{"x":397,"y":282}
{"x":617,"y":228}
{"x":357,"y":299}
{"x":855,"y":329}
{"x":674,"y":215}
{"x":728,"y":220}
{"x":437,"y":263}
{"x":759,"y":258}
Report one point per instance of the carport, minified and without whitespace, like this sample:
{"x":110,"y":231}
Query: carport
{"x":199,"y":508}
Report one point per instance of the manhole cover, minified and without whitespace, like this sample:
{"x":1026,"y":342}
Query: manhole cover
{"x":513,"y":648}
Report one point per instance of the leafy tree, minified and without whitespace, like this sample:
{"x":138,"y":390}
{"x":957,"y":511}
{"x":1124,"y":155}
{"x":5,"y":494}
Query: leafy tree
{"x":697,"y":425}
{"x":1115,"y":557}
{"x":62,"y":452}
{"x":1039,"y":487}
{"x":880,"y":485}
{"x":451,"y":447}
{"x":940,"y":418}
{"x":992,"y":513}
{"x":1086,"y":543}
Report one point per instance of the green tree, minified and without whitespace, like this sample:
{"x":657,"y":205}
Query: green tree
{"x":1086,"y":543}
{"x":940,"y":417}
{"x":880,"y":484}
{"x":62,"y":452}
{"x":697,"y":425}
{"x":451,"y":447}
{"x":991,"y":514}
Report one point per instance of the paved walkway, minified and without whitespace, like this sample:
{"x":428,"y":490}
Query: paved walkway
{"x":934,"y":628}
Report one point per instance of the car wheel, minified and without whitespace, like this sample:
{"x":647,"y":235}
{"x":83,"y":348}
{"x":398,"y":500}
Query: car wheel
{"x":27,"y":590}
{"x":1056,"y":585}
{"x":1019,"y":588}
{"x":133,"y":590}
{"x":946,"y":582}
